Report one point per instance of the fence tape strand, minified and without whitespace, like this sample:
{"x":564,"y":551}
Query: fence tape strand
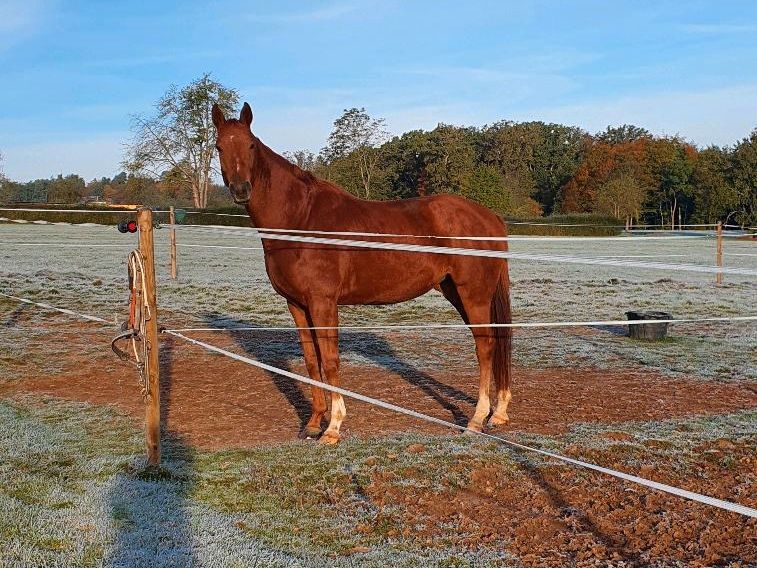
{"x":243,"y":231}
{"x":53,"y":308}
{"x":488,"y":253}
{"x":705,"y":499}
{"x":400,"y":327}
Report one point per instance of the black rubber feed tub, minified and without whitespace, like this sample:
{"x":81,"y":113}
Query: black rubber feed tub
{"x":648,"y":331}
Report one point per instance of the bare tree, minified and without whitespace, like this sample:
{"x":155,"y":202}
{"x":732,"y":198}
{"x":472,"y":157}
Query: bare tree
{"x":4,"y":196}
{"x":303,"y":159}
{"x":5,"y":183}
{"x":357,"y":135}
{"x":179,"y":137}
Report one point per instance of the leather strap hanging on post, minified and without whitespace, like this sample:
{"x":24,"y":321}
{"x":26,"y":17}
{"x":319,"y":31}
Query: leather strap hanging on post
{"x":139,"y":314}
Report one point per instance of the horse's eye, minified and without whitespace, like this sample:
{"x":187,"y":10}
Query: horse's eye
{"x":218,"y":148}
{"x":252,"y":146}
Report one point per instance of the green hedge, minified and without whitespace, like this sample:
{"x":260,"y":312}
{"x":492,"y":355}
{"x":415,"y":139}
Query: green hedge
{"x":585,"y":225}
{"x":597,"y":225}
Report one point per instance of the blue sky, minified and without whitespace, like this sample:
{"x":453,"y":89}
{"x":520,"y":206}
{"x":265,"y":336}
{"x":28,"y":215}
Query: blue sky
{"x":72,"y":72}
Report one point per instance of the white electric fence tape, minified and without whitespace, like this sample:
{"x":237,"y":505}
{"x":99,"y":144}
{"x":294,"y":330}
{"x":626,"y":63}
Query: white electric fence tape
{"x":488,"y":253}
{"x":53,"y":308}
{"x":707,"y":500}
{"x":269,"y":234}
{"x":64,"y":245}
{"x":719,"y":503}
{"x":244,"y":231}
{"x":412,"y":327}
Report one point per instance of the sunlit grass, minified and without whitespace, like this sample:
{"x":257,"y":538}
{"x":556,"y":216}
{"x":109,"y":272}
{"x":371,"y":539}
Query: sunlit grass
{"x":74,"y":489}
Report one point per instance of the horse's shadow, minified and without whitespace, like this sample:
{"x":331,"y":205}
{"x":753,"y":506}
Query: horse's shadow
{"x":14,"y":317}
{"x":282,"y":349}
{"x":579,"y":520}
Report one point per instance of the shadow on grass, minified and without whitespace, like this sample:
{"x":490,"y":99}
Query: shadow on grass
{"x":148,"y":505}
{"x":282,"y":349}
{"x":14,"y":317}
{"x":577,"y":519}
{"x":619,"y":330}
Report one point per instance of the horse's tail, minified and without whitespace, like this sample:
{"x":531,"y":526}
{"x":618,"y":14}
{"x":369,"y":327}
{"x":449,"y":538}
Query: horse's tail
{"x":500,"y":313}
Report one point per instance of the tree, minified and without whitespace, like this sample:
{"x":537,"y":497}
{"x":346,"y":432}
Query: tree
{"x":744,"y":178}
{"x":671,"y":165}
{"x":556,"y":159}
{"x":357,"y":136}
{"x":34,"y":191}
{"x":579,"y":194}
{"x":180,"y":135}
{"x":451,"y":158}
{"x":487,"y":187}
{"x":510,"y":147}
{"x":621,"y":196}
{"x":67,"y":189}
{"x":5,"y":192}
{"x":8,"y":190}
{"x":623,"y":133}
{"x":714,"y":196}
{"x":542,"y":157}
{"x":405,"y":161}
{"x":303,"y":159}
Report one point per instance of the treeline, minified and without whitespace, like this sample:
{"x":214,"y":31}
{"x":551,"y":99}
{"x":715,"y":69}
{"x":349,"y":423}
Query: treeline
{"x":122,"y":189}
{"x":536,"y":168}
{"x":526,"y":169}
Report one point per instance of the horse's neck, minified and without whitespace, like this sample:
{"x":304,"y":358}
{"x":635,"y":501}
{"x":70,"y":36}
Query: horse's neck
{"x":280,"y":197}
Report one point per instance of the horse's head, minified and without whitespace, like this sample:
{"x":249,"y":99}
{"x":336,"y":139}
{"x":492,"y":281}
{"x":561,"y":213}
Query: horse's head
{"x":235,"y":145}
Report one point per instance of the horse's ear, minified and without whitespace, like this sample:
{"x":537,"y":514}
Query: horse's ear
{"x":218,"y":117}
{"x":246,"y":115}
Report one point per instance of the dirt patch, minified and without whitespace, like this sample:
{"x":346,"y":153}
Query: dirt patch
{"x":545,"y":515}
{"x":214,"y":402}
{"x":548,"y":517}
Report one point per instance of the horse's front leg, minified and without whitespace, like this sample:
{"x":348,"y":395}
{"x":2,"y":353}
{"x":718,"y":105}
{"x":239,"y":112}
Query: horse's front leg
{"x":307,"y":339}
{"x":323,"y":313}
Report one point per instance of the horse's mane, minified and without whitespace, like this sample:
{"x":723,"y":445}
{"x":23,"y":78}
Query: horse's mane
{"x":302,"y":175}
{"x":279,"y":160}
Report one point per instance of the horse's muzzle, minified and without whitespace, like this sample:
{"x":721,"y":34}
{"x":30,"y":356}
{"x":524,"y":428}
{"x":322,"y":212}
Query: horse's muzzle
{"x":240,"y":192}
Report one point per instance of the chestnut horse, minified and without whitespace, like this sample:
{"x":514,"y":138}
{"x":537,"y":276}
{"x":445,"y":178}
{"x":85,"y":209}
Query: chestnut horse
{"x":316,"y":278}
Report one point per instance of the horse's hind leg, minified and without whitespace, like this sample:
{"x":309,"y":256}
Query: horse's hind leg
{"x":484,"y":350}
{"x":307,"y":339}
{"x":324,"y":314}
{"x":475,"y":310}
{"x":502,"y":350}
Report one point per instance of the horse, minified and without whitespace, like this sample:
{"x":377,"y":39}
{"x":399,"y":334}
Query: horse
{"x":316,"y":278}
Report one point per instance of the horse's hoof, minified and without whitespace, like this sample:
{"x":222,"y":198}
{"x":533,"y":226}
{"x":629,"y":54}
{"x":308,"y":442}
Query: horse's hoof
{"x":472,"y":430}
{"x":309,"y":433}
{"x":498,"y":421}
{"x":329,"y":438}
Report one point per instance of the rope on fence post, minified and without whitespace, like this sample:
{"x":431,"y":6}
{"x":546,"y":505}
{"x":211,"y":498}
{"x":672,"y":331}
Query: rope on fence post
{"x":152,"y":408}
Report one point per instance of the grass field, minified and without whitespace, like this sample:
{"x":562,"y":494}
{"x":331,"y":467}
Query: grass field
{"x":74,"y":490}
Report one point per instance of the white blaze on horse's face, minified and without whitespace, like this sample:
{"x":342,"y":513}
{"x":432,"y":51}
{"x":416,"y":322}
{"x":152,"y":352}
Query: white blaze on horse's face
{"x":235,"y":145}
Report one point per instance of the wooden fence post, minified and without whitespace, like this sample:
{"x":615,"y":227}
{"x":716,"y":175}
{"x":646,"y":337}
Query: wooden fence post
{"x":719,"y":256}
{"x":172,"y":238}
{"x":152,"y":375}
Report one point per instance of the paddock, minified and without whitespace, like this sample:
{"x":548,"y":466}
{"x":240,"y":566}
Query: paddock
{"x":659,"y":410}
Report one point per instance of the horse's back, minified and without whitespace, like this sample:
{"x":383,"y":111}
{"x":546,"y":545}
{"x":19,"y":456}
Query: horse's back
{"x":366,"y":276}
{"x":437,"y":215}
{"x":457,"y":216}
